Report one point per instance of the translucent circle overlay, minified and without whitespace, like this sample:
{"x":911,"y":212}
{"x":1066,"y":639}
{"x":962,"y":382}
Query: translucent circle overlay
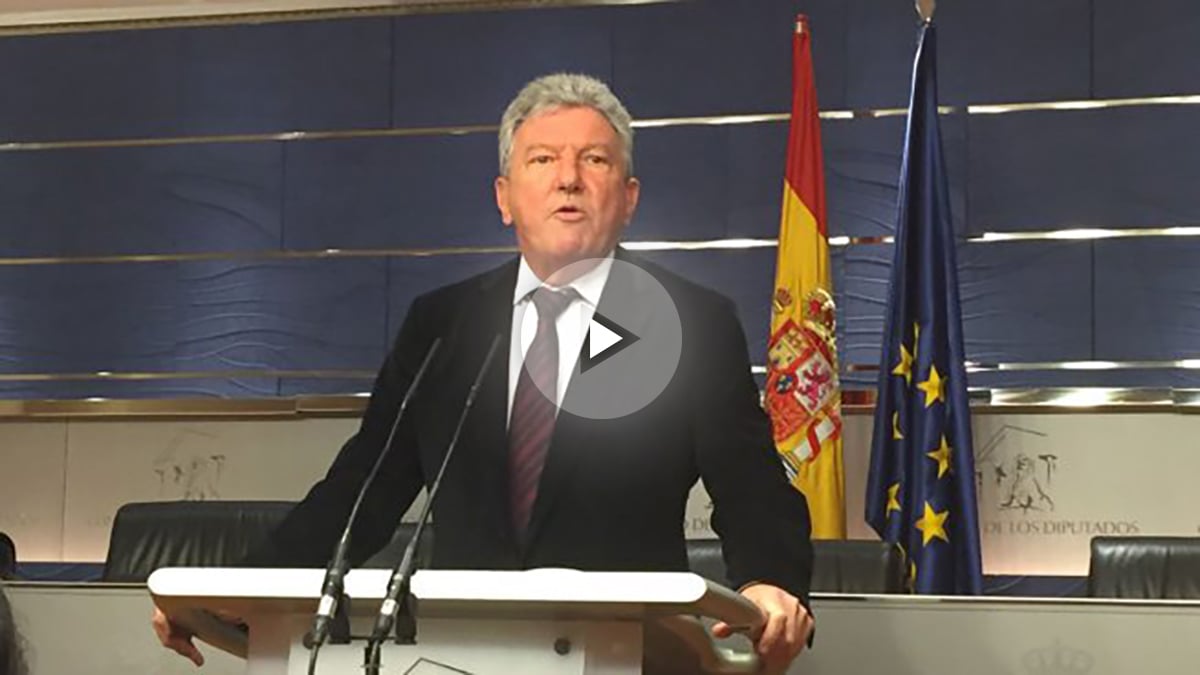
{"x":635,"y":369}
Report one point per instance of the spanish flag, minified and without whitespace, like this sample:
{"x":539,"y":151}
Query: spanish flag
{"x":803,"y":396}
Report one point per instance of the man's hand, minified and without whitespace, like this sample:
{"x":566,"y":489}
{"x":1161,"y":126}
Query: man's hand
{"x":175,"y":638}
{"x":785,"y":631}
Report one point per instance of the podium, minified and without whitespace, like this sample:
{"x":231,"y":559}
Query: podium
{"x":530,"y":622}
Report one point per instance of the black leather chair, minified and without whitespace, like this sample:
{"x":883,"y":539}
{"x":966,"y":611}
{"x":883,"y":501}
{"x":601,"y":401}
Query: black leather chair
{"x":839,"y":566}
{"x":1145,"y":567}
{"x":149,"y":535}
{"x":857,"y":566}
{"x":8,"y":557}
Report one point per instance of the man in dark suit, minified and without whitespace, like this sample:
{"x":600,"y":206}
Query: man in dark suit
{"x":543,"y":477}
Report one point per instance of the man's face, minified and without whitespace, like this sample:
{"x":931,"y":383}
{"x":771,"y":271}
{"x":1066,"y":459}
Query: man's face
{"x":566,"y":191}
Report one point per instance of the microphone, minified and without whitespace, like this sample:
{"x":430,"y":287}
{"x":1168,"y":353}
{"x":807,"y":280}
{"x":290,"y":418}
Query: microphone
{"x":397,"y":602}
{"x":334,"y":585}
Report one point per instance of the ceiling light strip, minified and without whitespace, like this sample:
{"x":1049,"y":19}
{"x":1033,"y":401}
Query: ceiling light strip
{"x":730,"y":244}
{"x":976,"y":367}
{"x":1084,"y":104}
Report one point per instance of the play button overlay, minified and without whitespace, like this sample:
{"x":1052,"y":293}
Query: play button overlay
{"x":605,"y":339}
{"x":629,"y":349}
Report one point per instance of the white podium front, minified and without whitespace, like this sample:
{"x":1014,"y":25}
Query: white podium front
{"x":479,"y":622}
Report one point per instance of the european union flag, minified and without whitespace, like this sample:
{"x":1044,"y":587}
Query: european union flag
{"x":921,"y":488}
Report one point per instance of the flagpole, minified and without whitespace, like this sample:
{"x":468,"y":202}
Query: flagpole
{"x":925,"y":9}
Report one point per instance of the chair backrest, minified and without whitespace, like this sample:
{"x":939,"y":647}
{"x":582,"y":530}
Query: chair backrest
{"x":857,"y":566}
{"x":839,"y":566}
{"x":149,"y":535}
{"x":1145,"y":568}
{"x":8,"y":557}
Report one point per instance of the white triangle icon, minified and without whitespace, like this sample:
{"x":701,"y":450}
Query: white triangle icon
{"x":601,"y":339}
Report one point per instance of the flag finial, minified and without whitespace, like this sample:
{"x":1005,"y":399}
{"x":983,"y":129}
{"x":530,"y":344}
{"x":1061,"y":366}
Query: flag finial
{"x":925,"y":9}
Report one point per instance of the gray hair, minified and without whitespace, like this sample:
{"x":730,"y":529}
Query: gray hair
{"x":565,"y":90}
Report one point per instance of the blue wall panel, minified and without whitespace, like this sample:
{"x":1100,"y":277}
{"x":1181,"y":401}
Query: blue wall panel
{"x":685,"y":178}
{"x":92,"y":85}
{"x":462,"y":68}
{"x":1026,"y":301}
{"x":193,"y":316}
{"x":1028,"y":50}
{"x":757,"y":158}
{"x":862,"y":172}
{"x":76,"y":318}
{"x":392,"y":192}
{"x":1146,"y":299}
{"x":169,"y":199}
{"x":1146,"y":49}
{"x":170,"y":82}
{"x":718,"y":57}
{"x":409,"y":277}
{"x":1115,"y":167}
{"x":861,"y":285}
{"x":1013,"y":51}
{"x":881,"y":42}
{"x":1021,"y":301}
{"x":295,"y":314}
{"x":279,"y":77}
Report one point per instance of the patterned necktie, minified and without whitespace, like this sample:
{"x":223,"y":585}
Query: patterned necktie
{"x":533,"y":411}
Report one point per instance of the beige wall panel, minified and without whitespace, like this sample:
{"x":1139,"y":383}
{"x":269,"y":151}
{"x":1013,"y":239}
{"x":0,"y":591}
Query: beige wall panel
{"x":32,"y":487}
{"x":111,"y":463}
{"x":856,"y":452}
{"x":1049,"y":483}
{"x":697,"y":522}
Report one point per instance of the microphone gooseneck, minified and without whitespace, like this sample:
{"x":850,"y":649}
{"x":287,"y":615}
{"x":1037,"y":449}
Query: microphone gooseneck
{"x":397,"y":610}
{"x":332,"y":588}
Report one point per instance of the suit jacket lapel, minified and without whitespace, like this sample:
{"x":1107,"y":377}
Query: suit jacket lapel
{"x":486,"y":426}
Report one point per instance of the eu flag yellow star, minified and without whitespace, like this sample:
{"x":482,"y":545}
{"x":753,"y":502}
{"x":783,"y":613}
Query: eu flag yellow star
{"x":916,"y":339}
{"x":904,"y":368}
{"x":934,"y":387}
{"x":932,"y":525}
{"x":896,"y":435}
{"x":893,"y":502}
{"x":942,"y":456}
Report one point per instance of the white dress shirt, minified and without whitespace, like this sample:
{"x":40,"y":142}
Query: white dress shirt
{"x":572,"y":324}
